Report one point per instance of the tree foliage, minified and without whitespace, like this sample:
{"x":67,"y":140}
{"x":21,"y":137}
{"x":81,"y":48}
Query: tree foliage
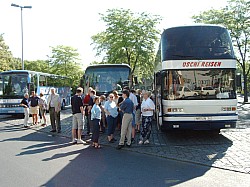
{"x":7,"y":61}
{"x":65,"y":61}
{"x":129,"y":38}
{"x":236,"y":17}
{"x":37,"y":65}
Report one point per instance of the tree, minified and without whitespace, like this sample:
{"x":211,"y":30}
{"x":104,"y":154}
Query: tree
{"x":65,"y":61}
{"x":38,"y":65}
{"x":236,"y":17}
{"x":129,"y":38}
{"x":6,"y":59}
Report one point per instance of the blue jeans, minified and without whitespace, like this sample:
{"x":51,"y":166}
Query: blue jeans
{"x":133,"y":121}
{"x":96,"y":132}
{"x":112,"y":122}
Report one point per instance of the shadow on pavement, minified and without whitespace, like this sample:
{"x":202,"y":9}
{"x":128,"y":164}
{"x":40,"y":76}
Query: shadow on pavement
{"x":110,"y":167}
{"x":11,"y":128}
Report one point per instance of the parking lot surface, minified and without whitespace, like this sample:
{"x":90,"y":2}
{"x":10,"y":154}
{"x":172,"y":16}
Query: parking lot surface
{"x":230,"y":149}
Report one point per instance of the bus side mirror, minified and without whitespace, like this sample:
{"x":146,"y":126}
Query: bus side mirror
{"x":158,"y":77}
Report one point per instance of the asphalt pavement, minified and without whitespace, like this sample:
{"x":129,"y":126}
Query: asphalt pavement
{"x":229,"y":150}
{"x":31,"y":158}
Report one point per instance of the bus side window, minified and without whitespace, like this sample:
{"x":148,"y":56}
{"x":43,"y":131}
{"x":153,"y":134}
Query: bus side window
{"x":42,"y":80}
{"x":33,"y":83}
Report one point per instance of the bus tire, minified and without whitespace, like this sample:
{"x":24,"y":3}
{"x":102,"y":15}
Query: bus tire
{"x":215,"y":131}
{"x":162,"y":129}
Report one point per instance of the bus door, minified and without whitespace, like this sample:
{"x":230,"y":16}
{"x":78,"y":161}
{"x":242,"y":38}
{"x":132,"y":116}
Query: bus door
{"x":158,"y":77}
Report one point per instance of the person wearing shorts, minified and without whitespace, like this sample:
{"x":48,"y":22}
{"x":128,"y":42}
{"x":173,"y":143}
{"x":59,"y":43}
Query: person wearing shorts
{"x":34,"y":107}
{"x":78,"y":115}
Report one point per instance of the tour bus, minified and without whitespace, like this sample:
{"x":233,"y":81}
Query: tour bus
{"x":105,"y":78}
{"x":196,"y":86}
{"x":14,"y":84}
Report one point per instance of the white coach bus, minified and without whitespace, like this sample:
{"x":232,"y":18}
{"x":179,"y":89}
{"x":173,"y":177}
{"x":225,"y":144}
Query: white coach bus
{"x":196,"y":84}
{"x":15,"y":83}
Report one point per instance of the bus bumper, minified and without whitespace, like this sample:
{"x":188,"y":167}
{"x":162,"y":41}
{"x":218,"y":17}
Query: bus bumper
{"x":11,"y":111}
{"x":197,"y":125}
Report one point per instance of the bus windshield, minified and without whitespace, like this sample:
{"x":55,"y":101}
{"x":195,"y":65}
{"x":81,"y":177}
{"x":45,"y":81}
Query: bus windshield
{"x":13,"y":84}
{"x":196,"y":42}
{"x":199,"y":84}
{"x":108,"y":78}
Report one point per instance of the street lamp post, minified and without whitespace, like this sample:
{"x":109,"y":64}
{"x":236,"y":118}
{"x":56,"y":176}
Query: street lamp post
{"x":21,"y":7}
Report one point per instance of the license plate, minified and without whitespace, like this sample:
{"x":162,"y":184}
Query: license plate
{"x":202,"y":118}
{"x":11,"y":111}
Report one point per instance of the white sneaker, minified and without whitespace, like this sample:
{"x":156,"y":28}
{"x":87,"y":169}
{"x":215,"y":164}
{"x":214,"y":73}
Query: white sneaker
{"x":140,"y":142}
{"x":80,"y":141}
{"x":146,"y":142}
{"x":74,"y":141}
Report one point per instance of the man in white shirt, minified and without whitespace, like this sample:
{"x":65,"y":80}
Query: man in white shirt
{"x":54,"y":107}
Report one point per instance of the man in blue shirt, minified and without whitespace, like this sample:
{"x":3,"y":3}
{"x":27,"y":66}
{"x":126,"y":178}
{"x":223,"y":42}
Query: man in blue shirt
{"x":127,"y":107}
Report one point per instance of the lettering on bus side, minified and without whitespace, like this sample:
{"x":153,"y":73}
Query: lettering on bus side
{"x":201,"y":64}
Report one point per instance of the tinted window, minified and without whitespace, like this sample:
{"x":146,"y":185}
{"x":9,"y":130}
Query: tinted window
{"x":196,"y":42}
{"x":201,"y":84}
{"x":13,"y":85}
{"x":106,"y":79}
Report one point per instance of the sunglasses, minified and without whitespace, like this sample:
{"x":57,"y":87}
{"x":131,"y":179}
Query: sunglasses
{"x":110,"y":97}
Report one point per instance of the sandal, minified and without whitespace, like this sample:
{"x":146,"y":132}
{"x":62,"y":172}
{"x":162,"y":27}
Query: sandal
{"x":97,"y":146}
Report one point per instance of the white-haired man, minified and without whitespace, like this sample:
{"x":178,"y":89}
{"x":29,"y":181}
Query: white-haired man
{"x":54,"y":107}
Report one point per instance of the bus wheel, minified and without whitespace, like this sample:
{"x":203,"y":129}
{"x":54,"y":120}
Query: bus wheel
{"x":162,"y":129}
{"x":215,"y":131}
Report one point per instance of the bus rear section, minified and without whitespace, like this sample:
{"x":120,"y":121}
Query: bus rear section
{"x":196,"y":85}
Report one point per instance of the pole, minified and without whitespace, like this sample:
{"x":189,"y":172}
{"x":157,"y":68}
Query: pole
{"x":21,"y":7}
{"x":22,"y":36}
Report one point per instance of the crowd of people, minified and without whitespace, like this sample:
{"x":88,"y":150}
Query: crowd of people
{"x":130,"y":113}
{"x":38,"y":105}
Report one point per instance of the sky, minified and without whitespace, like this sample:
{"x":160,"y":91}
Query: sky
{"x":73,"y":22}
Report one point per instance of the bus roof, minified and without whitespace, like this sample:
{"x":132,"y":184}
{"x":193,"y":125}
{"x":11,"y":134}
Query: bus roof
{"x":29,"y":71}
{"x":196,"y":25}
{"x":108,"y":65}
